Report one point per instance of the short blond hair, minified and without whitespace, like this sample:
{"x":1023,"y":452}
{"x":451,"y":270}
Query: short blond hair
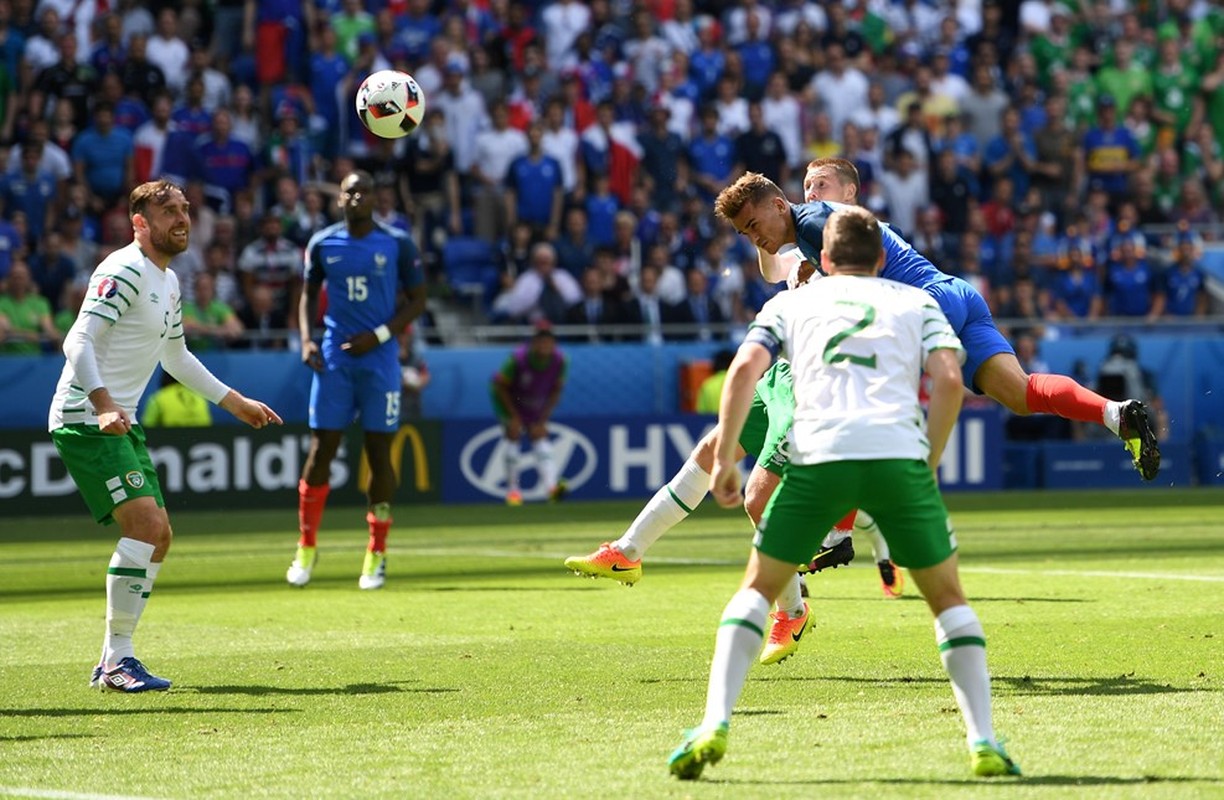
{"x":750,"y":189}
{"x":845,"y":170}
{"x":852,"y":239}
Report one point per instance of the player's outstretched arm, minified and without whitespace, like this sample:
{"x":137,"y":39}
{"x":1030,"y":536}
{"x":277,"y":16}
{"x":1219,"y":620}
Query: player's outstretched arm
{"x":947,"y":392}
{"x":252,"y":412}
{"x":749,"y":365}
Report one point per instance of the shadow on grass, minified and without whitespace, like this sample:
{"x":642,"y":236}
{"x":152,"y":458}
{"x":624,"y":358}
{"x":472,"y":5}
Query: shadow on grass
{"x":33,"y":738}
{"x":1030,"y":685}
{"x":111,"y":712}
{"x":351,"y":689}
{"x":1005,"y":684}
{"x":1002,"y":784}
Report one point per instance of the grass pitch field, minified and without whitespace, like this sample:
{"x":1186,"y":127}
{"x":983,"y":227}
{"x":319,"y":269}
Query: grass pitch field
{"x":484,"y":669}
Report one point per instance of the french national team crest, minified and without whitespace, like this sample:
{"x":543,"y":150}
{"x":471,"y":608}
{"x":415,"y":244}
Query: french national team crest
{"x":380,"y":261}
{"x":135,"y":479}
{"x":107,"y":287}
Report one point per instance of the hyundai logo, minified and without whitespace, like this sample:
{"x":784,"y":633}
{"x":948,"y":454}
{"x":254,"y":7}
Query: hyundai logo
{"x":482,"y":466}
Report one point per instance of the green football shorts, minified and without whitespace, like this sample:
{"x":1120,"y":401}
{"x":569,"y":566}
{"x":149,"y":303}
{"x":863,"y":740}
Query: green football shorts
{"x":769,"y":419}
{"x":108,"y":470}
{"x":901,"y":494}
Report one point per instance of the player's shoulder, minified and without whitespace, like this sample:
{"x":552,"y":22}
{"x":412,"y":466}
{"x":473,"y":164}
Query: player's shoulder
{"x":128,"y":262}
{"x":326,"y":233}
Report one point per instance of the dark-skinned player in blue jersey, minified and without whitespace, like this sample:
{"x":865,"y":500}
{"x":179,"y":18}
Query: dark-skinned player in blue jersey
{"x":375,"y":287}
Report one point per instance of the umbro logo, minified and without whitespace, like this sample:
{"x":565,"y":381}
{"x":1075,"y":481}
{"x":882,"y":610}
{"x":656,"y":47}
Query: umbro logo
{"x":153,"y":297}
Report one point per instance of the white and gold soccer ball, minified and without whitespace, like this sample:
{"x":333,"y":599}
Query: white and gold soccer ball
{"x":390,"y":103}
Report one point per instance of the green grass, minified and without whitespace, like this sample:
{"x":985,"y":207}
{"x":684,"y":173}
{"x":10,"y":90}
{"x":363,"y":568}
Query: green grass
{"x":485,"y":670}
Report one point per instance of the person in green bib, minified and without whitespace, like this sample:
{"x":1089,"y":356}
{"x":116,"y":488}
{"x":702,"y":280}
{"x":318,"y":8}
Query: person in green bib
{"x":176,"y":406}
{"x":27,"y":313}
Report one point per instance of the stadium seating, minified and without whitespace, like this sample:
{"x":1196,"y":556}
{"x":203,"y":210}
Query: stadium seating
{"x":471,"y":270}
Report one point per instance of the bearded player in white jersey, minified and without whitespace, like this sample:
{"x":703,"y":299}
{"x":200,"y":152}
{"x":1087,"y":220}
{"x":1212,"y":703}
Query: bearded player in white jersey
{"x":131,"y":320}
{"x":858,"y":346}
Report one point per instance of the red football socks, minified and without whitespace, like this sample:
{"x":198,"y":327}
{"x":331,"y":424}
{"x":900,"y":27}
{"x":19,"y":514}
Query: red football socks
{"x":378,"y":533}
{"x":1058,"y":394}
{"x":311,"y":500}
{"x":846,"y":523}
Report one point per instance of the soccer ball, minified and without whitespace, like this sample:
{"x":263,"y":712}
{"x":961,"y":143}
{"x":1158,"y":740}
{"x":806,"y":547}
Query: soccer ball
{"x":390,"y":103}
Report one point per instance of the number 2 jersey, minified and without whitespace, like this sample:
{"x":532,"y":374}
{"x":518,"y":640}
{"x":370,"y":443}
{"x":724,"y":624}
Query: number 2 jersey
{"x":857,"y":348}
{"x":364,"y":276}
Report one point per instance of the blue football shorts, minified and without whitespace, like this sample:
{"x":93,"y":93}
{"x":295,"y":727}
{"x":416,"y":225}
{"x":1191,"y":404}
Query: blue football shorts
{"x":970,"y":317}
{"x":342,"y":391}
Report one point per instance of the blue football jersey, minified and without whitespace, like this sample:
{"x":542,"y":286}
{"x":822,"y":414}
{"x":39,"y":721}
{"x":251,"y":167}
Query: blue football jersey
{"x":364,"y":276}
{"x":902,"y":263}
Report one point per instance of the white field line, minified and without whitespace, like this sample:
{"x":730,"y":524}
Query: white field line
{"x":723,"y":562}
{"x":55,"y":794}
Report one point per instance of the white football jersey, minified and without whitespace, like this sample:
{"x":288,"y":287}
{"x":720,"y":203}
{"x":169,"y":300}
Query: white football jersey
{"x":142,"y":303}
{"x":857,"y":348}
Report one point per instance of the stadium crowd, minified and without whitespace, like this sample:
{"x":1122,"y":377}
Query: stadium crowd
{"x":1064,"y":157}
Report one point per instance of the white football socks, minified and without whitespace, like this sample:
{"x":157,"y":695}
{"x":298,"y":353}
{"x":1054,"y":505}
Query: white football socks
{"x":129,"y":580}
{"x":790,"y":599}
{"x":962,"y":648}
{"x":510,"y":458}
{"x":739,"y":639}
{"x":1112,"y":418}
{"x":544,"y":462}
{"x":669,"y":506}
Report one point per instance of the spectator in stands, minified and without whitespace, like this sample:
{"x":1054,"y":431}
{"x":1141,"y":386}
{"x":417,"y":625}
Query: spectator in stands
{"x":698,"y":309}
{"x":646,"y":309}
{"x":149,"y":140}
{"x":274,"y":263}
{"x":495,"y":150}
{"x":208,"y":322}
{"x":190,"y":115}
{"x":759,"y":149}
{"x":32,"y":191}
{"x":1183,"y":288}
{"x":1130,"y":282}
{"x":1011,"y":154}
{"x":264,"y":320}
{"x":68,"y":82}
{"x":840,"y":87}
{"x":929,"y":237}
{"x":429,"y":184}
{"x":226,"y":166}
{"x":53,"y":158}
{"x":711,"y":156}
{"x":130,"y":111}
{"x":26,"y":314}
{"x":593,"y":310}
{"x":109,"y":51}
{"x":102,"y":156}
{"x":1108,"y":153}
{"x":140,"y":76}
{"x":906,"y":189}
{"x":464,"y":112}
{"x":51,"y":268}
{"x":543,"y":292}
{"x":289,"y":151}
{"x":671,"y":282}
{"x":385,"y":211}
{"x":983,"y":107}
{"x":575,"y":250}
{"x":534,"y":190}
{"x":175,"y":406}
{"x":663,"y":158}
{"x":911,"y":135}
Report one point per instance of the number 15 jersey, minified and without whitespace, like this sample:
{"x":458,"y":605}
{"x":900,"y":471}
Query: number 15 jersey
{"x":364,"y":277}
